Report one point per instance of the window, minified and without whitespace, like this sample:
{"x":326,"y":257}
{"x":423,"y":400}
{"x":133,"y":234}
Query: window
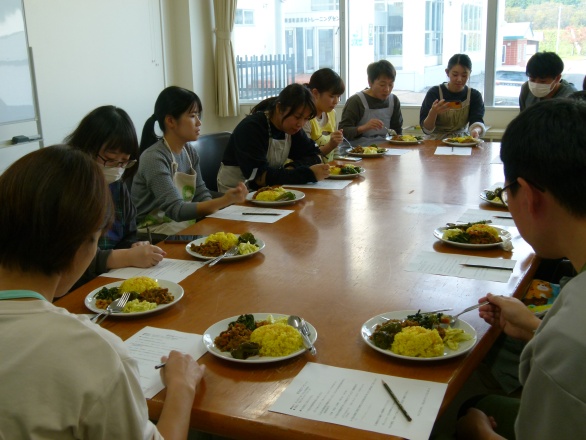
{"x":388,"y":29}
{"x":279,"y":42}
{"x":434,"y":12}
{"x":244,"y":17}
{"x":471,"y":25}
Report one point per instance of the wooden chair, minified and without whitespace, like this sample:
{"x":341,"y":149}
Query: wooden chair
{"x":210,"y":148}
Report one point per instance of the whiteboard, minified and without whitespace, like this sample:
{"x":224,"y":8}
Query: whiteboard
{"x":16,"y":91}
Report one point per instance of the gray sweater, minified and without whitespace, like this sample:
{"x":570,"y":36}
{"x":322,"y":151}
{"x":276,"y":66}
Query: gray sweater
{"x":153,"y":188}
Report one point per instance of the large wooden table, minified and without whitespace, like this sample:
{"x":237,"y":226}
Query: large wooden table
{"x":338,"y":260}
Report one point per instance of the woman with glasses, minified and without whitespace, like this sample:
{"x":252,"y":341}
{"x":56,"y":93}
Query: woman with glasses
{"x":168,"y":190}
{"x":107,"y":134}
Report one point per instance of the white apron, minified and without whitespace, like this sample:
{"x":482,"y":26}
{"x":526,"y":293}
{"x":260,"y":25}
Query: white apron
{"x":185,"y":184}
{"x":454,"y":121}
{"x":384,"y":114}
{"x":277,"y":154}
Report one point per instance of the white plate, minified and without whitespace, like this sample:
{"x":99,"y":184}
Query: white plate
{"x":211,"y":333}
{"x":369,"y":326}
{"x":174,"y":289}
{"x":346,"y":176}
{"x":504,"y":234}
{"x":492,"y":202}
{"x":392,"y":141}
{"x":199,"y":241}
{"x":464,"y":144}
{"x":298,"y":196}
{"x":367,"y":155}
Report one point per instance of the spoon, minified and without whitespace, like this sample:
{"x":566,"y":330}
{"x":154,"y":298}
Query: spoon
{"x":297,"y":322}
{"x":454,"y":318}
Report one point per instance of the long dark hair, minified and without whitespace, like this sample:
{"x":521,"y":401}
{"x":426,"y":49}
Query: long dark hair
{"x":109,"y":127}
{"x":173,"y":101}
{"x":292,"y":98}
{"x":42,"y":224}
{"x":326,"y":80}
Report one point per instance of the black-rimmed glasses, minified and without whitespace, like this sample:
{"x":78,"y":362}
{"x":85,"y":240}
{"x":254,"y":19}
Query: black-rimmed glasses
{"x":111,"y":163}
{"x":502,"y":193}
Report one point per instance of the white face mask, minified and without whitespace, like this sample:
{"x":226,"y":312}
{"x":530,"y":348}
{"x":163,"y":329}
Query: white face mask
{"x":113,"y":174}
{"x":540,"y":90}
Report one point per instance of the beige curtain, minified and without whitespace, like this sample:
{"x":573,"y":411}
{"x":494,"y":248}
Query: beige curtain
{"x":227,"y":92}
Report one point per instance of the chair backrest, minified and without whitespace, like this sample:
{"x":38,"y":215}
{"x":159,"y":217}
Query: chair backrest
{"x":210,"y":149}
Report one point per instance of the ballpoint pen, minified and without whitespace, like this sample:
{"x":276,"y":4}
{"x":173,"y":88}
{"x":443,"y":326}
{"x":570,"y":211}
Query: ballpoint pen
{"x":150,"y":236}
{"x":159,"y":366}
{"x":484,"y":266}
{"x":261,"y":213}
{"x":407,"y":416}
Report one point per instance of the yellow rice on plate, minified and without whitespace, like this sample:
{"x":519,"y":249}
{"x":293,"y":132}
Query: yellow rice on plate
{"x":418,"y":342}
{"x":277,"y":339}
{"x":138,"y":284}
{"x":226,"y":239}
{"x":271,"y":195}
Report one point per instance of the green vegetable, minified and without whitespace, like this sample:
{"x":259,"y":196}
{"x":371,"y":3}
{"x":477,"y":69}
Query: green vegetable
{"x":247,"y":237}
{"x":247,"y":320}
{"x":350,"y":169}
{"x":245,"y":350}
{"x":381,"y":150}
{"x":426,"y":320}
{"x":286,"y":196}
{"x":111,"y":293}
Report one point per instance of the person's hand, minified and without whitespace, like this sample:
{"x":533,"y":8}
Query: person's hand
{"x":475,"y":132}
{"x":438,"y":107}
{"x":321,"y":171}
{"x":140,"y":243}
{"x":476,"y":425}
{"x":336,"y":138}
{"x":237,"y":194}
{"x":145,"y":255}
{"x":182,"y":371}
{"x":510,"y":315}
{"x":373,"y":124}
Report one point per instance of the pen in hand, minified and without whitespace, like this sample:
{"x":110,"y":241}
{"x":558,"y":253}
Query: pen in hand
{"x":159,"y":366}
{"x":407,"y":416}
{"x":150,"y":236}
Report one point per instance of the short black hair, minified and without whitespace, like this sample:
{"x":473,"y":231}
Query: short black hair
{"x":380,"y":68}
{"x":544,"y":65}
{"x":545,"y":145}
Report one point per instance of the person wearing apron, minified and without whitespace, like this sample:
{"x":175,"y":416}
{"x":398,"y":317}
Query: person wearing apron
{"x":270,"y":147}
{"x":369,"y":115}
{"x":168,"y":190}
{"x":453,"y":109}
{"x":326,"y":86}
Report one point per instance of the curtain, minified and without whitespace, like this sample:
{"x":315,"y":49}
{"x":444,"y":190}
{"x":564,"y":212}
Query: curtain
{"x":227,"y":91}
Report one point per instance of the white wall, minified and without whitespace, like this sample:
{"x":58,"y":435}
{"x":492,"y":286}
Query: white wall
{"x":92,"y":53}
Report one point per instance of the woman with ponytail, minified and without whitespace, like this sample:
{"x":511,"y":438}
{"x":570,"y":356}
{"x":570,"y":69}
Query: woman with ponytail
{"x":168,"y":190}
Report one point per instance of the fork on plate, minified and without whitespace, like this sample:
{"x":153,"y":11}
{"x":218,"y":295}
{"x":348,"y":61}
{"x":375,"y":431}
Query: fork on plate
{"x":229,"y":253}
{"x":114,"y":307}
